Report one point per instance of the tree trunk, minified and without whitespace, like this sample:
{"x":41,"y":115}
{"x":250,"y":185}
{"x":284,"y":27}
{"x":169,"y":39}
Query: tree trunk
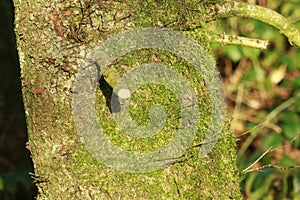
{"x":54,"y":38}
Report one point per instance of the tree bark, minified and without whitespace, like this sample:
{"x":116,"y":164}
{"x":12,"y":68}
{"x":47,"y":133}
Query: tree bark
{"x":53,"y":39}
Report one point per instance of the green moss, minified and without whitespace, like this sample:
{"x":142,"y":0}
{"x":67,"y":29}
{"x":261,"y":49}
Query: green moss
{"x":63,"y":166}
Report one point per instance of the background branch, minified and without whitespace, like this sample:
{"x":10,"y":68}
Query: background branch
{"x":268,"y":16}
{"x":225,"y":39}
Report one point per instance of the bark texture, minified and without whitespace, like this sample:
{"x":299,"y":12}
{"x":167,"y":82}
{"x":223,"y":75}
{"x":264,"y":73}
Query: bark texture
{"x":53,"y":38}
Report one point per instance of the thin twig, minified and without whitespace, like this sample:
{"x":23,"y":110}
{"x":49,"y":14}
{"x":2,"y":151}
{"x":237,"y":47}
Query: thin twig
{"x":257,"y":160}
{"x":273,"y":114}
{"x":267,"y":120}
{"x":241,"y":9}
{"x":272,"y":166}
{"x":266,"y":15}
{"x":238,"y":40}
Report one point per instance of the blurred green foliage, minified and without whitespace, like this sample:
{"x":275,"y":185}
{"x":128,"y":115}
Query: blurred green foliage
{"x":271,"y":79}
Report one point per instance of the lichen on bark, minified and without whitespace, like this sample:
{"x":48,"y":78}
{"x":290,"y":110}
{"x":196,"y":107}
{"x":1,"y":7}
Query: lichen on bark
{"x":53,"y":38}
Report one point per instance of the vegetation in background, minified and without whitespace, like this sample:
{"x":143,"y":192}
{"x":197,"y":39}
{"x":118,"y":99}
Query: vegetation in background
{"x":263,"y":94}
{"x":15,"y":162}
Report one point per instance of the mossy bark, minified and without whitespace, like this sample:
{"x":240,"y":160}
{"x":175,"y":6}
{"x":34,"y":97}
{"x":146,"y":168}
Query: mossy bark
{"x":53,"y":38}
